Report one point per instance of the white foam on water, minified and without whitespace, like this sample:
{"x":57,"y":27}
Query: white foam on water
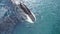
{"x":17,"y":2}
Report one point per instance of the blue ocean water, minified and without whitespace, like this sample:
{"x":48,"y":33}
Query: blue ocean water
{"x":47,"y":17}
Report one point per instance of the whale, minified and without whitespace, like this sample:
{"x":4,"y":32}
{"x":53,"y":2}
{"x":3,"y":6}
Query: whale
{"x":29,"y":14}
{"x":17,"y":13}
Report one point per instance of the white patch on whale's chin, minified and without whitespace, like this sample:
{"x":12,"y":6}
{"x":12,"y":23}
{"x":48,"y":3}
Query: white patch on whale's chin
{"x":29,"y":19}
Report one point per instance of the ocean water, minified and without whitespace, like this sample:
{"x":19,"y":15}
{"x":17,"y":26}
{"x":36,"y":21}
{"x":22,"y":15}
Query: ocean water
{"x":47,"y":17}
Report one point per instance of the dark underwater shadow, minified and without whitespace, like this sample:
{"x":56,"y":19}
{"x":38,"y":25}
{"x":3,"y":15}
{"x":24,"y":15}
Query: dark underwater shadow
{"x":9,"y":21}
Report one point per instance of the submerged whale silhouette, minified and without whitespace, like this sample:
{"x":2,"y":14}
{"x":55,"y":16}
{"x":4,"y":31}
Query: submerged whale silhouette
{"x":19,"y":13}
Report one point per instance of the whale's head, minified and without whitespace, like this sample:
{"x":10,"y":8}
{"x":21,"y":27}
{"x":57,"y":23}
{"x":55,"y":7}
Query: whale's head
{"x":23,"y":12}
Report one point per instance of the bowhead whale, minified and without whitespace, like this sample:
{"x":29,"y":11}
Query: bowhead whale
{"x":19,"y":13}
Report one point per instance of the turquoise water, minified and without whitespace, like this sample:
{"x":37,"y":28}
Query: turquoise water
{"x":47,"y":18}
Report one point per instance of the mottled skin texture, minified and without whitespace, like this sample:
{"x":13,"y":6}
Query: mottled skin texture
{"x":8,"y":24}
{"x":11,"y":18}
